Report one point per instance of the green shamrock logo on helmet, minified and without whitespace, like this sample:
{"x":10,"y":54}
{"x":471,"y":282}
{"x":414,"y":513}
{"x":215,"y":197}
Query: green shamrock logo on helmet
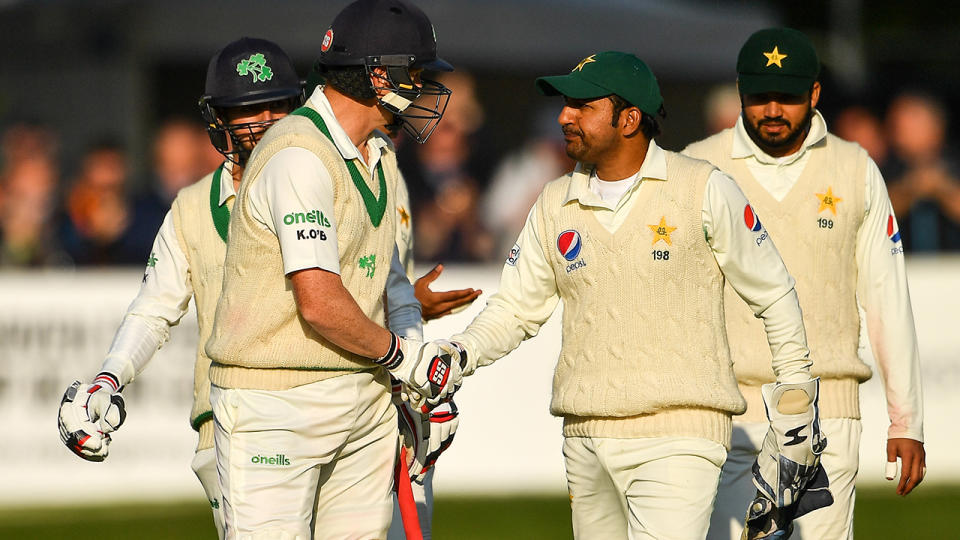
{"x":255,"y":66}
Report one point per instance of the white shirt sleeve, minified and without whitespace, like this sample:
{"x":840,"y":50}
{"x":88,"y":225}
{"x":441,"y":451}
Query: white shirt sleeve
{"x":294,"y":200}
{"x":527,"y":297}
{"x":403,"y":309}
{"x":883,"y":294}
{"x":162,"y":301}
{"x":752,"y":265}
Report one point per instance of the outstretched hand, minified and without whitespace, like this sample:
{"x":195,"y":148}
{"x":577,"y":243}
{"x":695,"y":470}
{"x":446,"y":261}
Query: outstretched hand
{"x":437,"y":304}
{"x":912,"y":463}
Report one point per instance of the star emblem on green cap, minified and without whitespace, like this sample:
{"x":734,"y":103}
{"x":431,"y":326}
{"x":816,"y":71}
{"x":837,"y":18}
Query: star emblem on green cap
{"x":774,"y":57}
{"x":585,"y":61}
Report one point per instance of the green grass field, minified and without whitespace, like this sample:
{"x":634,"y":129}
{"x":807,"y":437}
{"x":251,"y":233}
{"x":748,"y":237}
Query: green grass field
{"x":880,"y":514}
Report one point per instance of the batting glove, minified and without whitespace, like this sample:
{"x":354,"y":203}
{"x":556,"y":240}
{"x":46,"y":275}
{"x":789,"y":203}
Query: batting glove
{"x":788,"y":475}
{"x":429,"y":371}
{"x":88,"y":414}
{"x":443,"y":422}
{"x":426,"y":432}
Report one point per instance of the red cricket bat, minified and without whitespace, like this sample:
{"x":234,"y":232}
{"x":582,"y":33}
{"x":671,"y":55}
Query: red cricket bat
{"x":408,"y":506}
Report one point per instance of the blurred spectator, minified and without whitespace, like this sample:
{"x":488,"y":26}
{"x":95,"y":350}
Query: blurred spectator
{"x":721,"y":109}
{"x":181,"y":156}
{"x":926,"y":196}
{"x":26,"y":141}
{"x":520,"y":177}
{"x":444,"y":189}
{"x":858,"y":124}
{"x":27,"y":201}
{"x":95,"y":228}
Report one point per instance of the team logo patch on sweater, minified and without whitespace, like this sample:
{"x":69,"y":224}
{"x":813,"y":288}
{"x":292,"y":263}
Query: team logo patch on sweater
{"x":828,"y":201}
{"x":569,"y":244}
{"x":662,"y":231}
{"x":750,"y":219}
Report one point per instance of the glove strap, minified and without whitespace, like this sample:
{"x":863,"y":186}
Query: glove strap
{"x":108,"y":380}
{"x":394,"y":356}
{"x":463,"y":354}
{"x":444,"y":415}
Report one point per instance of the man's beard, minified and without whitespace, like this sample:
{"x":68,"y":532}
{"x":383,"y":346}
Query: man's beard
{"x":576,"y":150}
{"x":776,"y":142}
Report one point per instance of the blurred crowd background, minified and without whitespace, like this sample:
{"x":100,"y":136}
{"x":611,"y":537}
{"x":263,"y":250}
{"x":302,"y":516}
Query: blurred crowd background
{"x":99,"y":126}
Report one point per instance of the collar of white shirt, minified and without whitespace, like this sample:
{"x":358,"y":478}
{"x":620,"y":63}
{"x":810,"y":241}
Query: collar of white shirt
{"x":744,"y":147}
{"x":226,"y":183}
{"x":654,"y":167}
{"x":340,"y":138}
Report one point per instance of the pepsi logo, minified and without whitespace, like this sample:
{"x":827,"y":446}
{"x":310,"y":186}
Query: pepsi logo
{"x":327,"y":41}
{"x":892,"y":230}
{"x":569,"y":244}
{"x":750,"y":219}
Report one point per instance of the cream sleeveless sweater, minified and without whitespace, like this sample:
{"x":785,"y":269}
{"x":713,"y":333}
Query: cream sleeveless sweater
{"x":644,"y":353}
{"x":259,"y":339}
{"x":204,"y":249}
{"x":818,"y":247}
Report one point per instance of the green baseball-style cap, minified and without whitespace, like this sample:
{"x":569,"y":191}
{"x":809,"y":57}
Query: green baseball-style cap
{"x":777,"y":60}
{"x":607,"y":73}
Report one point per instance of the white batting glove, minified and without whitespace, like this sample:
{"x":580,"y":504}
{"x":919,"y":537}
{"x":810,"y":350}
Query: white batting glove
{"x":425,"y":432}
{"x":88,"y":414}
{"x":443,"y":422}
{"x":429,"y":371}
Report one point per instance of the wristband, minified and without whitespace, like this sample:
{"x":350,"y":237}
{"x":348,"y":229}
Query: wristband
{"x":108,"y":381}
{"x":394,"y":356}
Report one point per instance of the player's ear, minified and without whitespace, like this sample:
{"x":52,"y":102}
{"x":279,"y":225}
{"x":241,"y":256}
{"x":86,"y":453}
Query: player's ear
{"x":630,"y":121}
{"x":814,"y":94}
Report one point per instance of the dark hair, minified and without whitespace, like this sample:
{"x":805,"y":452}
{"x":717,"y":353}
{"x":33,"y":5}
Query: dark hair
{"x":350,"y":80}
{"x":619,"y":105}
{"x":649,"y":125}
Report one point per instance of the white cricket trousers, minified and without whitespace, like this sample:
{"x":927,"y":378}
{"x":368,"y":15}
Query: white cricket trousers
{"x":204,"y":465}
{"x":645,"y":488}
{"x":840,"y":460}
{"x":315,"y":461}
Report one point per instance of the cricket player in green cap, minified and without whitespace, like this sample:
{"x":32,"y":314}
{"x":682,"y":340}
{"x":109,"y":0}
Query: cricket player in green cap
{"x":638,"y":242}
{"x":826,"y":205}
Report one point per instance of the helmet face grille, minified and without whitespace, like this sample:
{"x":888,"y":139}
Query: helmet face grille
{"x":231,"y":140}
{"x":417,"y":107}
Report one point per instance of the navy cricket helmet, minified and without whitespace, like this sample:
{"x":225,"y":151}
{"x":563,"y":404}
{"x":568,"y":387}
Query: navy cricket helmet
{"x":247,"y":72}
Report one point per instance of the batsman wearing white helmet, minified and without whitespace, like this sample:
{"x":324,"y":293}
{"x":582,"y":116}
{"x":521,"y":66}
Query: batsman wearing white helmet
{"x":304,"y":426}
{"x":638,"y":242}
{"x":250,"y":84}
{"x":825,"y":203}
